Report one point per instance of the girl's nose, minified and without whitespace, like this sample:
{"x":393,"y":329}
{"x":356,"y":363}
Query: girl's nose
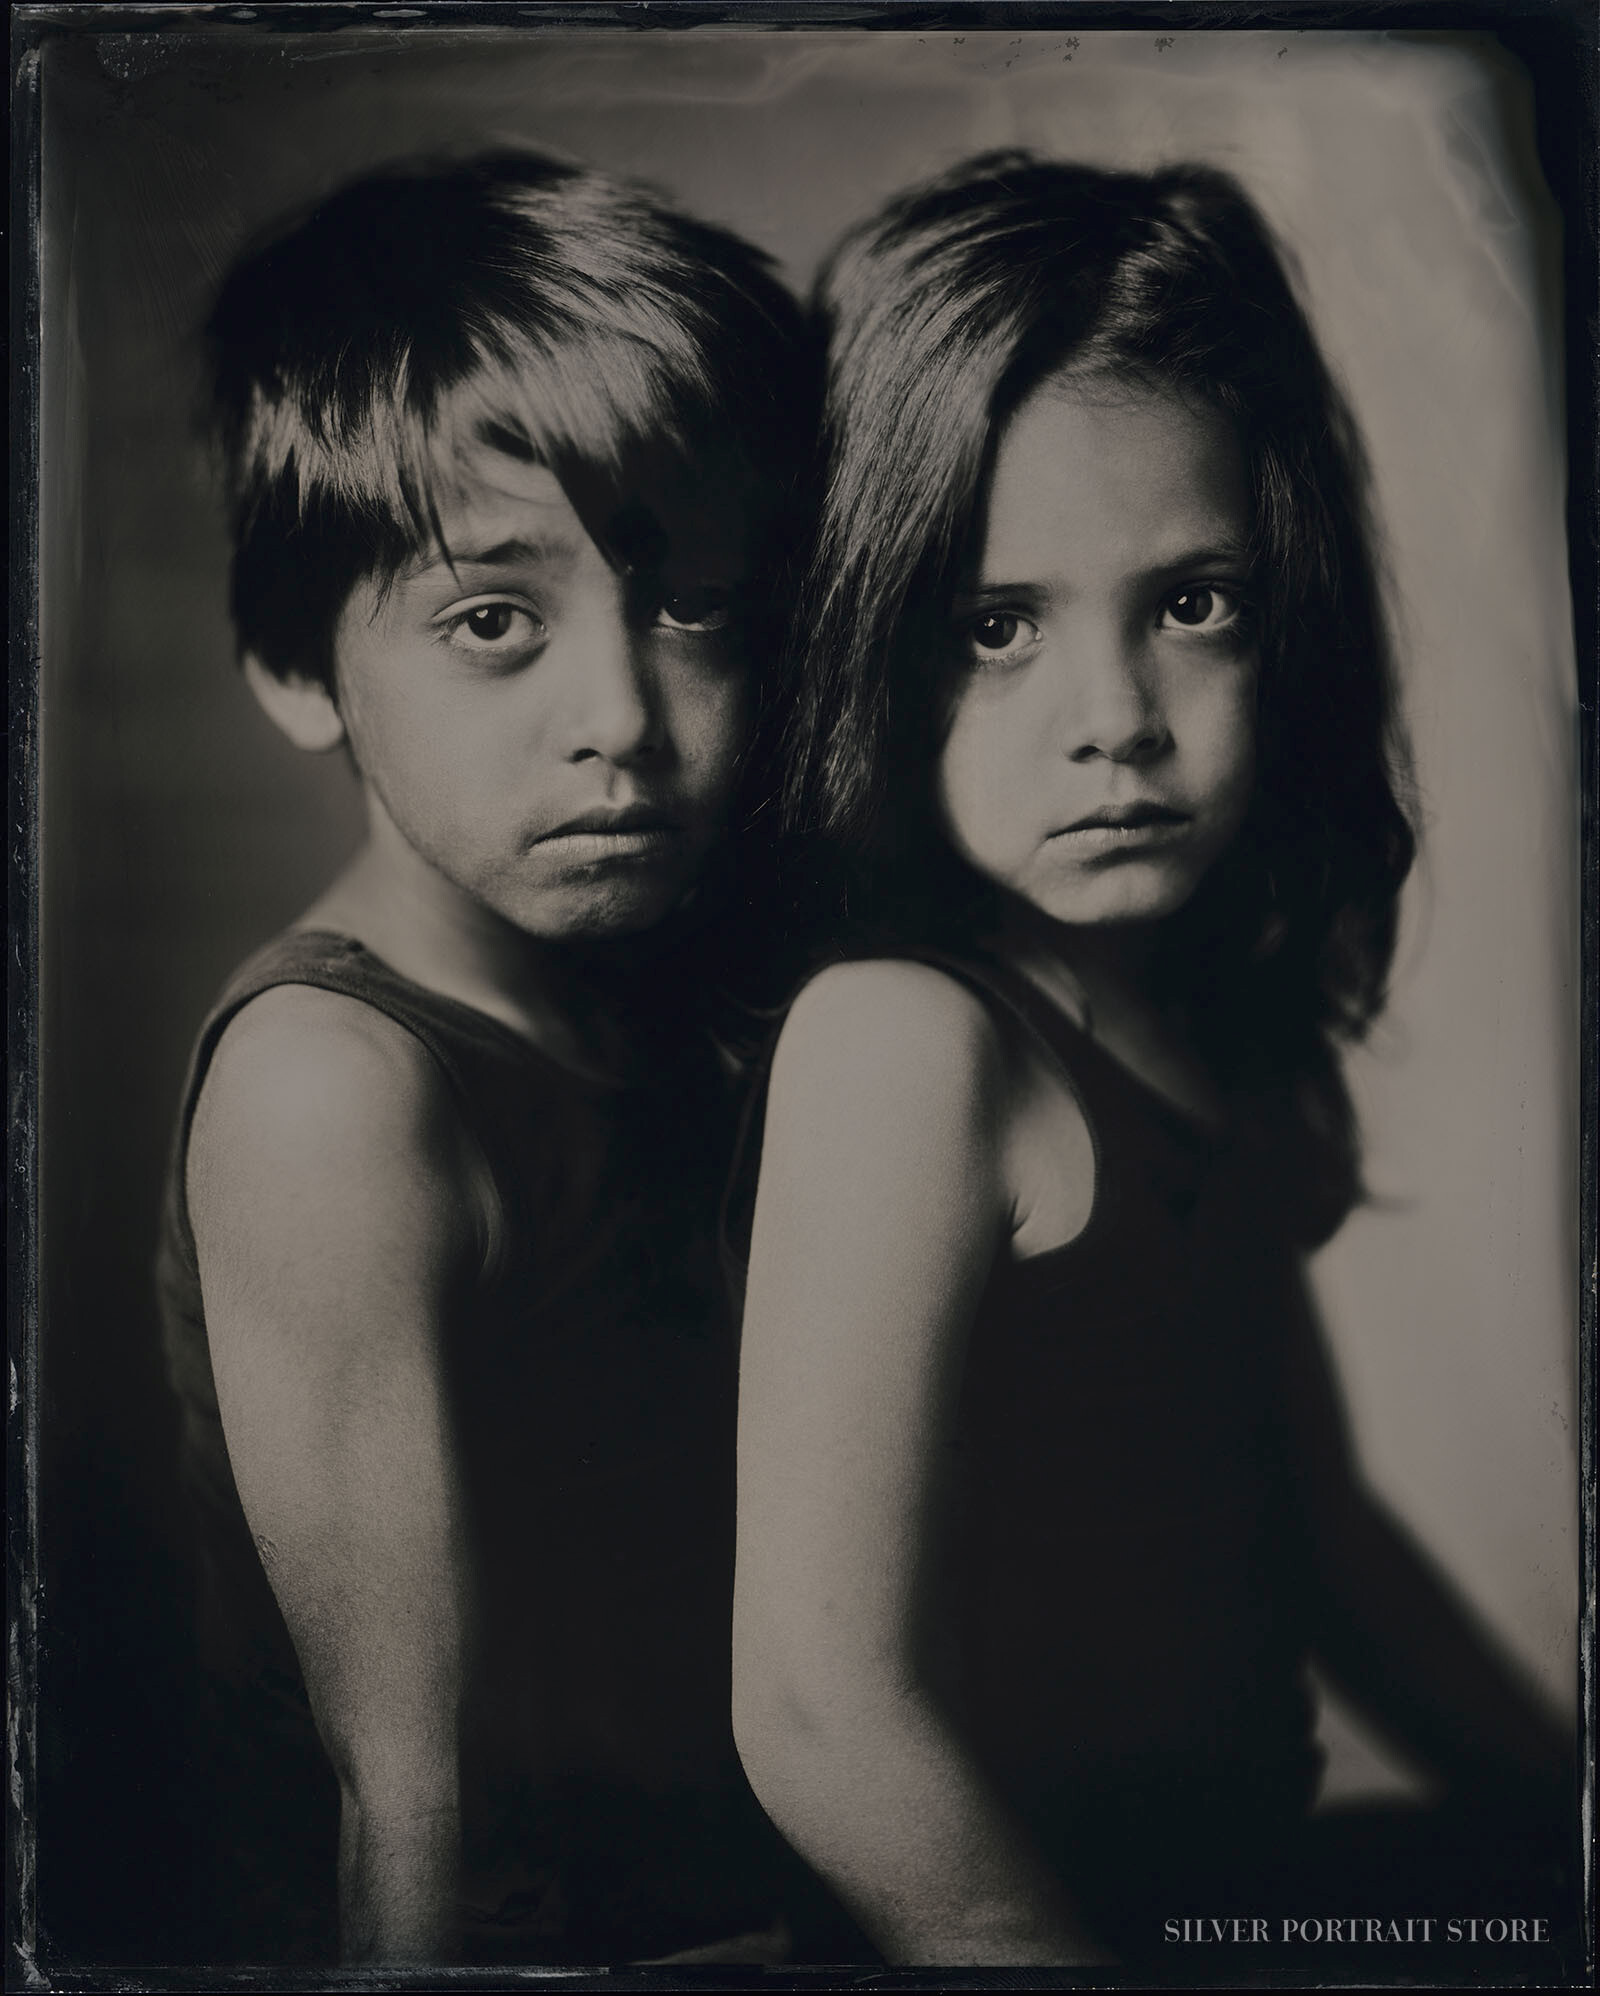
{"x":1113,"y":707}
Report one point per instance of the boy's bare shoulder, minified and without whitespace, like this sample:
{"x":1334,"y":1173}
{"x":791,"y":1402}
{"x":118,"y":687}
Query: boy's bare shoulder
{"x":316,"y":1102}
{"x":298,"y":1051}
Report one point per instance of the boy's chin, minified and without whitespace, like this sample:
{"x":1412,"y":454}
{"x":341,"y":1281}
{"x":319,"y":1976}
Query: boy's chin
{"x":602,"y":915}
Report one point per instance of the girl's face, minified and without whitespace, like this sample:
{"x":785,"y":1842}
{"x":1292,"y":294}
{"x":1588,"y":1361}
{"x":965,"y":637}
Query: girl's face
{"x":1101,"y":748}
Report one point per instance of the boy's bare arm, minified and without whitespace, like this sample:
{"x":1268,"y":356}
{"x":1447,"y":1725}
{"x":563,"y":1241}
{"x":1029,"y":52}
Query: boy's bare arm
{"x":1393,"y":1630}
{"x":335,"y":1226}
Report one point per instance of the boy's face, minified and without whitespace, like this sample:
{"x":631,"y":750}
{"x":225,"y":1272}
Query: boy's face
{"x":551,"y":741}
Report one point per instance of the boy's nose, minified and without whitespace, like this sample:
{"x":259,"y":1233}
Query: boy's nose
{"x":616,"y":714}
{"x":1113,"y":709}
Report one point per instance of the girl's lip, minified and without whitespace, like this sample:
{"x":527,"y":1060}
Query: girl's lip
{"x":1125,"y":818}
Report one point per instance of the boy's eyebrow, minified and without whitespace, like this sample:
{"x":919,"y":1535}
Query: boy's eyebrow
{"x":503,"y":554}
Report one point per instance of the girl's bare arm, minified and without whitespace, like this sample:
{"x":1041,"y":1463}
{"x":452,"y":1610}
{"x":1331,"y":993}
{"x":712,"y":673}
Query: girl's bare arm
{"x":334,"y":1221}
{"x":881,"y":1205}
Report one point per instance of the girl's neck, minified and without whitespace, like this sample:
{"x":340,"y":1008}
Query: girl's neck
{"x":1103,"y":979}
{"x":1098,"y":971}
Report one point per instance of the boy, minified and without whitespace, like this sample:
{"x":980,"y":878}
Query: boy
{"x":507,"y":450}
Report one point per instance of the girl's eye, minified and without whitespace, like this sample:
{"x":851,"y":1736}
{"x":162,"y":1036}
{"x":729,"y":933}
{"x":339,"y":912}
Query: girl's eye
{"x":1204,"y":606}
{"x":495,"y":626}
{"x":997,"y":635}
{"x":703,"y":608}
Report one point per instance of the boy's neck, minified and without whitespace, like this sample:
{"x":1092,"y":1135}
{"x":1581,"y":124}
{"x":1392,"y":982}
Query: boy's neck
{"x":558,"y":995}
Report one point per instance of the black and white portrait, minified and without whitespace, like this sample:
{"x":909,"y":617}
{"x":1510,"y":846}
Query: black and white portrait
{"x":798,"y":1141}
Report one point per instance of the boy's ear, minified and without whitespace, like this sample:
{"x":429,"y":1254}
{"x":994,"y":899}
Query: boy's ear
{"x":303,"y":708}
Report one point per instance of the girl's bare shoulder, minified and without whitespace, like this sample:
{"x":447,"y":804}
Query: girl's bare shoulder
{"x":881,"y":1195}
{"x":896,"y":1021}
{"x":907,"y":1056}
{"x":874,"y":995}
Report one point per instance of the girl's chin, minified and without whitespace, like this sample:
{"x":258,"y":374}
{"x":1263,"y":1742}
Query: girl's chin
{"x":1083,"y":909}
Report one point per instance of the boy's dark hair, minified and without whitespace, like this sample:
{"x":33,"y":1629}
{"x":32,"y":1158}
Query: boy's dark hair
{"x":509,"y":299}
{"x":943,"y":313}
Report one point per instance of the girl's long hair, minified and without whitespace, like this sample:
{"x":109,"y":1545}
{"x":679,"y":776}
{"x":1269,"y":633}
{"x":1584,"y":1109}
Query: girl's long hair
{"x":942,"y":314}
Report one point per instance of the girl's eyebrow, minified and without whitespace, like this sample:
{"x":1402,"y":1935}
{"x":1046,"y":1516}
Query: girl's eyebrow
{"x":983,"y":594}
{"x":1209,"y":554}
{"x":1227,"y":555}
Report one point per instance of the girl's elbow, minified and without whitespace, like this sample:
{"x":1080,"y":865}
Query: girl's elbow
{"x":775,"y":1728}
{"x":797,"y":1722}
{"x":797,"y":1761}
{"x":803,"y":1732}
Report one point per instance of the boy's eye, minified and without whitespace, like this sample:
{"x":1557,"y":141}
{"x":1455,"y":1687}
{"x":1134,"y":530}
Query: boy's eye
{"x":1204,"y":606}
{"x":491,"y":626}
{"x":702,"y":608}
{"x":998,"y":635}
{"x":489,"y":621}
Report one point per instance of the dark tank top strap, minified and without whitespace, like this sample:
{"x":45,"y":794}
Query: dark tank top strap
{"x":331,"y":961}
{"x":991,"y":982}
{"x":992,"y":978}
{"x":1112,"y":1097}
{"x":1105,"y":1086}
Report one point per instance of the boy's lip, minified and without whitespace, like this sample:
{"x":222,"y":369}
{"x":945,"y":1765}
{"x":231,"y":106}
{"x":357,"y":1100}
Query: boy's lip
{"x":636,"y":835}
{"x":607,"y":821}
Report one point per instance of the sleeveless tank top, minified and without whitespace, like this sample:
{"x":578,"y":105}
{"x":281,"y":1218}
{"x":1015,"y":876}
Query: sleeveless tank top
{"x":1123,"y":1571}
{"x":593,"y":1389}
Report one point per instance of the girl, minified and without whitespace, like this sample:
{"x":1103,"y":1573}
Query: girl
{"x":1044,"y":1494}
